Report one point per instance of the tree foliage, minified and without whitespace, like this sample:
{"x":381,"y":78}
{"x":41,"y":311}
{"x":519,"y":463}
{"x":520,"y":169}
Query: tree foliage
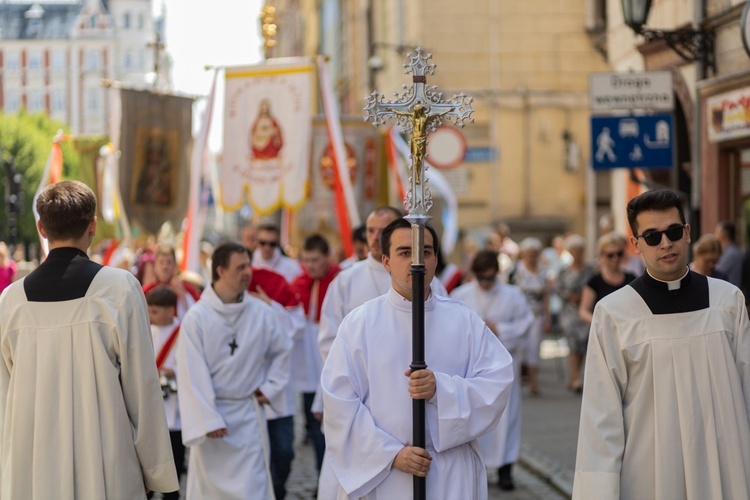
{"x":26,"y":139}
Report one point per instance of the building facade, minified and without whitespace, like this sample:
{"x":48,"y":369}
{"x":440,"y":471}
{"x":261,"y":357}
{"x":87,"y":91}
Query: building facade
{"x":526,"y":64}
{"x":55,"y":54}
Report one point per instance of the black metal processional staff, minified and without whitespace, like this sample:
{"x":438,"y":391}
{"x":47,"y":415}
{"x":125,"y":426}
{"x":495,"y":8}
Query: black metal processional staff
{"x":418,"y":110}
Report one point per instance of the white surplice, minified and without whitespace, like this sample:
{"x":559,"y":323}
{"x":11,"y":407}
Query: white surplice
{"x":505,"y":306}
{"x":91,"y":362}
{"x":159,"y":335}
{"x":279,"y":263}
{"x":292,"y":322}
{"x":666,"y":400}
{"x":354,"y":286}
{"x":216,"y":391}
{"x":368,"y":411}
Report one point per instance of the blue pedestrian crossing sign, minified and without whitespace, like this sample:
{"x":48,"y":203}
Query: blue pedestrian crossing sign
{"x":632,"y":141}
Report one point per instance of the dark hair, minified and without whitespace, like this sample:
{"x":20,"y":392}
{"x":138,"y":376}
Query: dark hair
{"x":385,"y":236}
{"x":316,"y":242}
{"x":167,"y":251}
{"x":221,"y":257}
{"x":385,"y":210}
{"x":360,"y":234}
{"x":658,"y":200}
{"x":66,"y":210}
{"x":161,"y":296}
{"x":729,"y":229}
{"x":485,"y":260}
{"x":269,"y":227}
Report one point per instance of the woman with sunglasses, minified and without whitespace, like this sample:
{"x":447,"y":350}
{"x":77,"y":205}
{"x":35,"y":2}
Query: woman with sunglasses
{"x":610,"y":276}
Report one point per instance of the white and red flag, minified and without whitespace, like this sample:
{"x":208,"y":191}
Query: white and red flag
{"x":346,"y":207}
{"x":52,"y":175}
{"x":199,"y":186}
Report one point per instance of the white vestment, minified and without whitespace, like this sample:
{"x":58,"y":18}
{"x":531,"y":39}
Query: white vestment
{"x":285,"y":266}
{"x":292,"y":322}
{"x":216,"y":391}
{"x":89,"y":362}
{"x":361,"y":282}
{"x":368,"y":411}
{"x":505,"y":306}
{"x":159,"y":335}
{"x":666,"y":396}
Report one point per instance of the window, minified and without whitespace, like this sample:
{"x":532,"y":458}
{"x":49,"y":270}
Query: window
{"x":13,"y":60}
{"x":36,"y":101}
{"x":127,"y":60}
{"x":94,"y":99}
{"x":58,"y":59}
{"x":92,"y":21}
{"x":35,"y":59}
{"x":126,"y":21}
{"x":141,"y":21}
{"x":92,"y":60}
{"x":58,"y":100}
{"x":13,"y":101}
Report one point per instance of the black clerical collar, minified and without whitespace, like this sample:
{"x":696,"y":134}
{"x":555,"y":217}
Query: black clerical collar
{"x":691,"y":295}
{"x":65,"y":274}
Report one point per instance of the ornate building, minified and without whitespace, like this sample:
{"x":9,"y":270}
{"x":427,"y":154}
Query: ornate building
{"x":54,"y":55}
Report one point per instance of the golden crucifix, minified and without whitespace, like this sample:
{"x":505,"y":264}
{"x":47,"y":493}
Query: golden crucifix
{"x":419,"y":119}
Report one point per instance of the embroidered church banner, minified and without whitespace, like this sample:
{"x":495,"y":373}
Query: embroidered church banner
{"x":267,"y":129}
{"x":155,"y":142}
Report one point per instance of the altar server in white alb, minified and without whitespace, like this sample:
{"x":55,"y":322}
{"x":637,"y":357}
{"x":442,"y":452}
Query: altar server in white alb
{"x":507,"y":313}
{"x":667,"y":383}
{"x":368,"y":387}
{"x":81,"y":412}
{"x":232,"y":357}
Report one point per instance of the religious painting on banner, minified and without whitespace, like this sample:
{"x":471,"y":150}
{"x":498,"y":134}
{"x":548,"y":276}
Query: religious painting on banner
{"x":266,"y":135}
{"x":363,"y":145}
{"x":155,"y":146}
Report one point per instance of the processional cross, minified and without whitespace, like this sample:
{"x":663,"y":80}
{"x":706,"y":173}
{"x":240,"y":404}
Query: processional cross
{"x":418,"y":109}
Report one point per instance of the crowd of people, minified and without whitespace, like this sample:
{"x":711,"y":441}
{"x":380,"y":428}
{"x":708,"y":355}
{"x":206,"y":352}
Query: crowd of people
{"x":257,"y":338}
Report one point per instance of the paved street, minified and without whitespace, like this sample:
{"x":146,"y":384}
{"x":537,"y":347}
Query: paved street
{"x":549,"y":435}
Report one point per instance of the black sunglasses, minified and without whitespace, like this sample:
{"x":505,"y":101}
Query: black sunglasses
{"x":264,"y":243}
{"x":614,"y":254}
{"x":486,"y":278}
{"x":653,"y":238}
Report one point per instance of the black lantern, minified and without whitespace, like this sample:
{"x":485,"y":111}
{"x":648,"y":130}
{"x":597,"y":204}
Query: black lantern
{"x":635,"y":13}
{"x":689,"y":43}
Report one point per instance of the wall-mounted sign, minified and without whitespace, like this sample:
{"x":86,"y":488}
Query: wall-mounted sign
{"x":641,"y":90}
{"x":632,"y":141}
{"x":728,"y":115}
{"x":446,"y":147}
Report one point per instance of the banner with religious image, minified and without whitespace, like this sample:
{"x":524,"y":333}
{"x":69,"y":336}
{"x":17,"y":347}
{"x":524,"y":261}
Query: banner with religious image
{"x":267,"y":129}
{"x":363,"y":145}
{"x":155,"y":143}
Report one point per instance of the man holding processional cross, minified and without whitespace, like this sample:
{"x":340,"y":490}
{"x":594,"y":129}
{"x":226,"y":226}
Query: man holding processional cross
{"x":366,"y":392}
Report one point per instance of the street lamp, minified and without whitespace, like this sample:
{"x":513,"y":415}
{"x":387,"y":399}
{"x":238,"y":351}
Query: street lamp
{"x":689,"y":43}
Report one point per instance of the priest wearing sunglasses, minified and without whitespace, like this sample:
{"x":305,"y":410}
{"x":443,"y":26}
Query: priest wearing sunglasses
{"x":667,"y":384}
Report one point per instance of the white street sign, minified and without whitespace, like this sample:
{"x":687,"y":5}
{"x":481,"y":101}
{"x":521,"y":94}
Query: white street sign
{"x":645,"y":90}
